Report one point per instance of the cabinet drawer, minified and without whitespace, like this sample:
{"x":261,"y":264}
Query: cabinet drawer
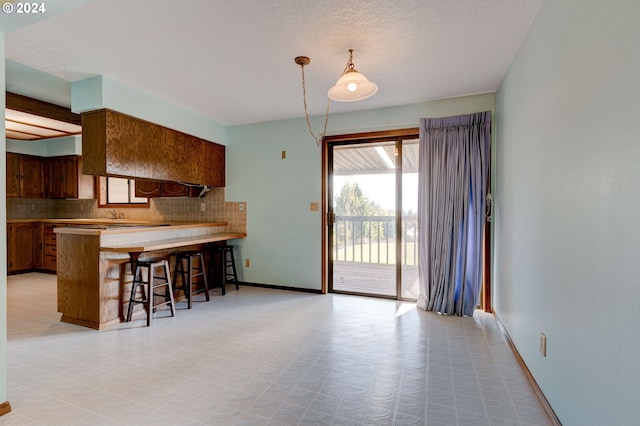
{"x":48,"y":229}
{"x":50,"y":263}
{"x":50,"y":251}
{"x":50,"y":239}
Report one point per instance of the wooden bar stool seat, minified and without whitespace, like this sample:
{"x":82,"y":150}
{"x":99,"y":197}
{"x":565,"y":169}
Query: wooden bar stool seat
{"x":195,"y":267}
{"x":146,"y":280}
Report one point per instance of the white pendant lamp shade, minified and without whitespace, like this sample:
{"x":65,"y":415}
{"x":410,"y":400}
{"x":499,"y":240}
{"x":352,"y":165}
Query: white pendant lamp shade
{"x":352,"y":86}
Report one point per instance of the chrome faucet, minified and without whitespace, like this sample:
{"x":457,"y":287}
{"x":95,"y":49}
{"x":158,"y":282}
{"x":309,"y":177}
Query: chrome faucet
{"x":114,"y":214}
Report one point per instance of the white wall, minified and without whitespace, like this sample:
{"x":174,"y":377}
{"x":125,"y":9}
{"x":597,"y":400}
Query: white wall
{"x":284,"y":236}
{"x":567,"y":221}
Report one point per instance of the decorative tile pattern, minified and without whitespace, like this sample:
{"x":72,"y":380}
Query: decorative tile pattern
{"x":262,"y":357}
{"x":178,"y":209}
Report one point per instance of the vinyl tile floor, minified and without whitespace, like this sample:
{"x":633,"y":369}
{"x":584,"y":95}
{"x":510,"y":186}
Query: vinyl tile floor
{"x":261,"y":357}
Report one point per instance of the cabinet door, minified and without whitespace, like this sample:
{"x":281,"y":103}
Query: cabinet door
{"x":20,"y":246}
{"x":54,"y":178}
{"x":32,"y":177}
{"x":13,"y":175}
{"x":65,"y":178}
{"x":174,"y":189}
{"x":69,"y":183}
{"x":38,"y":246}
{"x":148,"y":188}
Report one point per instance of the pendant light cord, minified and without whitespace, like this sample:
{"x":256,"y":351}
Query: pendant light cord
{"x":318,"y":138}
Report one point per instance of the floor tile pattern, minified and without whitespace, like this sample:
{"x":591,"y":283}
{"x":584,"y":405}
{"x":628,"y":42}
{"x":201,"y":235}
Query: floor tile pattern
{"x":262,"y":357}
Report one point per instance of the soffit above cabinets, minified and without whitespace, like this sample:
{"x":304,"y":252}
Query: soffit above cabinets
{"x":30,"y":119}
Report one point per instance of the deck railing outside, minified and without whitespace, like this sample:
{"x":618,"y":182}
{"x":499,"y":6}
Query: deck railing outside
{"x":372,"y":239}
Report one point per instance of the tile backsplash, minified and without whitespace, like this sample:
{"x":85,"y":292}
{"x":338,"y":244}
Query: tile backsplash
{"x":179,"y":209}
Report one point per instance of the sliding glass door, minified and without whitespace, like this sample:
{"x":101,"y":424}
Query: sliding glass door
{"x":372,"y":217}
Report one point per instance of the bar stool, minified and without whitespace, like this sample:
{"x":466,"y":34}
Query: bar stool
{"x":151,"y":283}
{"x":188,"y":274}
{"x":227,"y":260}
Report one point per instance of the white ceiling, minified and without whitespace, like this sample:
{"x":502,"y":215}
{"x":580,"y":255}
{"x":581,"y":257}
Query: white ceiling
{"x":232,"y":61}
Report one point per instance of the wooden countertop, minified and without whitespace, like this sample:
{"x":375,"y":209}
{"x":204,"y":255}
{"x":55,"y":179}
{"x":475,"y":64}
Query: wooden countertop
{"x":140,"y":247}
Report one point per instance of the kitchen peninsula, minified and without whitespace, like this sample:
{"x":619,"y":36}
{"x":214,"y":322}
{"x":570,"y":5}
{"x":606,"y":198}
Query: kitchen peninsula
{"x":94,"y":273}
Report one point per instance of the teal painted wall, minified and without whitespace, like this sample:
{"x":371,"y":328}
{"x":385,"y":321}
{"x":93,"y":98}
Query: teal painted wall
{"x":68,"y":145}
{"x":102,"y":92}
{"x":284,"y":236}
{"x":567,"y":203}
{"x":37,"y":84}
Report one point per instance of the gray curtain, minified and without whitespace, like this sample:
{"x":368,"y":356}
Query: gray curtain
{"x":453,"y":170}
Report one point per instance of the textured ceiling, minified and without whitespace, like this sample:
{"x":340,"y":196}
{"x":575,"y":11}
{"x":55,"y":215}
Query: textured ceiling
{"x":232,"y":61}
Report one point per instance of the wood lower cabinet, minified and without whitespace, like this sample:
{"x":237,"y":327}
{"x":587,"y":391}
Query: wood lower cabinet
{"x":23,"y":250}
{"x":49,"y":262}
{"x":31,"y":246}
{"x":25,"y":176}
{"x":38,"y":245}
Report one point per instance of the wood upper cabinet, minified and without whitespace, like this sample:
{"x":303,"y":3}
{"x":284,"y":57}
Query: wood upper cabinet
{"x":13,"y":175}
{"x":25,"y":176}
{"x":115,"y":144}
{"x":174,"y":189}
{"x":65,"y":178}
{"x":21,"y":246}
{"x":154,"y":189}
{"x":148,"y":188}
{"x":32,"y":177}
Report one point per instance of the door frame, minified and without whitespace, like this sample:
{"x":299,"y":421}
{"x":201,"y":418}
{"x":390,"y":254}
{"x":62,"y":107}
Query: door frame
{"x":385,"y":135}
{"x":413,"y":132}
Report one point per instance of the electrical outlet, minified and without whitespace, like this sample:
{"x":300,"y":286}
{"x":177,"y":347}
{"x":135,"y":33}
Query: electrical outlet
{"x":241,"y":207}
{"x":543,"y":344}
{"x":203,"y":207}
{"x":247,"y":263}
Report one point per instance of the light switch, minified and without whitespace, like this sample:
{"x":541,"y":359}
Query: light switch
{"x":314,"y":207}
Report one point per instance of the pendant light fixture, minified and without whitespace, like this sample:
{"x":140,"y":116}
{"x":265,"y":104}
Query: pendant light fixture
{"x":351,"y":86}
